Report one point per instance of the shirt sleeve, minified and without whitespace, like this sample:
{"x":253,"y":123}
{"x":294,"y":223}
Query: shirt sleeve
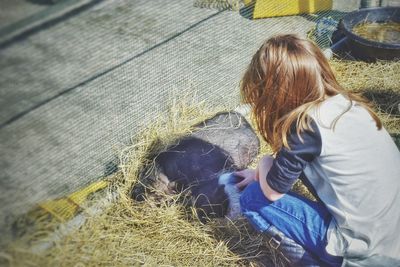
{"x":290,"y":163}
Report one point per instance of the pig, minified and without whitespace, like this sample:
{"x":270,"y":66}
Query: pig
{"x":202,"y":165}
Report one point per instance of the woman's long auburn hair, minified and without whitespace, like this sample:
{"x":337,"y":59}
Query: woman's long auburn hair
{"x":286,"y":78}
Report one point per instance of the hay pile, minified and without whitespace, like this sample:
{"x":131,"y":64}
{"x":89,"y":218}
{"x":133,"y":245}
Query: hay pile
{"x":128,"y":233}
{"x":380,"y":83}
{"x":146,"y":233}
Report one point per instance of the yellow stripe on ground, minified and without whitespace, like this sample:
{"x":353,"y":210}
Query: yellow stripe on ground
{"x":65,"y":208}
{"x":275,"y":8}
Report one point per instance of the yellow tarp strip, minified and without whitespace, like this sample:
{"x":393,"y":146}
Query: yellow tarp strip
{"x":65,"y":208}
{"x":275,"y":8}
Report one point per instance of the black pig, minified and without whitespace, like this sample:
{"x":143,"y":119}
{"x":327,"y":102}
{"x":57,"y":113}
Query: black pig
{"x":201,"y":164}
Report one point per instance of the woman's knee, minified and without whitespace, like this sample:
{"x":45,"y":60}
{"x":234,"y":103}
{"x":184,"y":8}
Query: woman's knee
{"x":250,"y":195}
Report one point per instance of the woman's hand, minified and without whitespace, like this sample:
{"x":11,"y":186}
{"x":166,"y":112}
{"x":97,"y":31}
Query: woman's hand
{"x":259,"y":174}
{"x":249,"y":176}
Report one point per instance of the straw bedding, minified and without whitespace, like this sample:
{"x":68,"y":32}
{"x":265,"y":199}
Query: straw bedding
{"x":127,"y":233}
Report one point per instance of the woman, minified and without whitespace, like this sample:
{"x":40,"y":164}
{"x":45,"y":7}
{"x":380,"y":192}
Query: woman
{"x":334,"y":140}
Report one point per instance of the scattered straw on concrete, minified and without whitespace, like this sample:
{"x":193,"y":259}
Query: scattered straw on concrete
{"x":219,"y":4}
{"x":127,"y":233}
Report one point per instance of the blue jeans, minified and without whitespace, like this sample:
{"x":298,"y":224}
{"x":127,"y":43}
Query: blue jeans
{"x":295,"y":225}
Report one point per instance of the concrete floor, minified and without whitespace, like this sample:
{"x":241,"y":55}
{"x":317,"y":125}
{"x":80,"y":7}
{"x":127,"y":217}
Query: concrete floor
{"x":71,"y":94}
{"x":17,"y":10}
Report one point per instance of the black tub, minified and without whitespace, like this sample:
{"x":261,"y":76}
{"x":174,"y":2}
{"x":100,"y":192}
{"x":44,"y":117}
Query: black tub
{"x":365,"y":49}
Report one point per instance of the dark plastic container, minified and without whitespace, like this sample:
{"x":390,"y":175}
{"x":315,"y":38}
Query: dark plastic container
{"x":366,"y":49}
